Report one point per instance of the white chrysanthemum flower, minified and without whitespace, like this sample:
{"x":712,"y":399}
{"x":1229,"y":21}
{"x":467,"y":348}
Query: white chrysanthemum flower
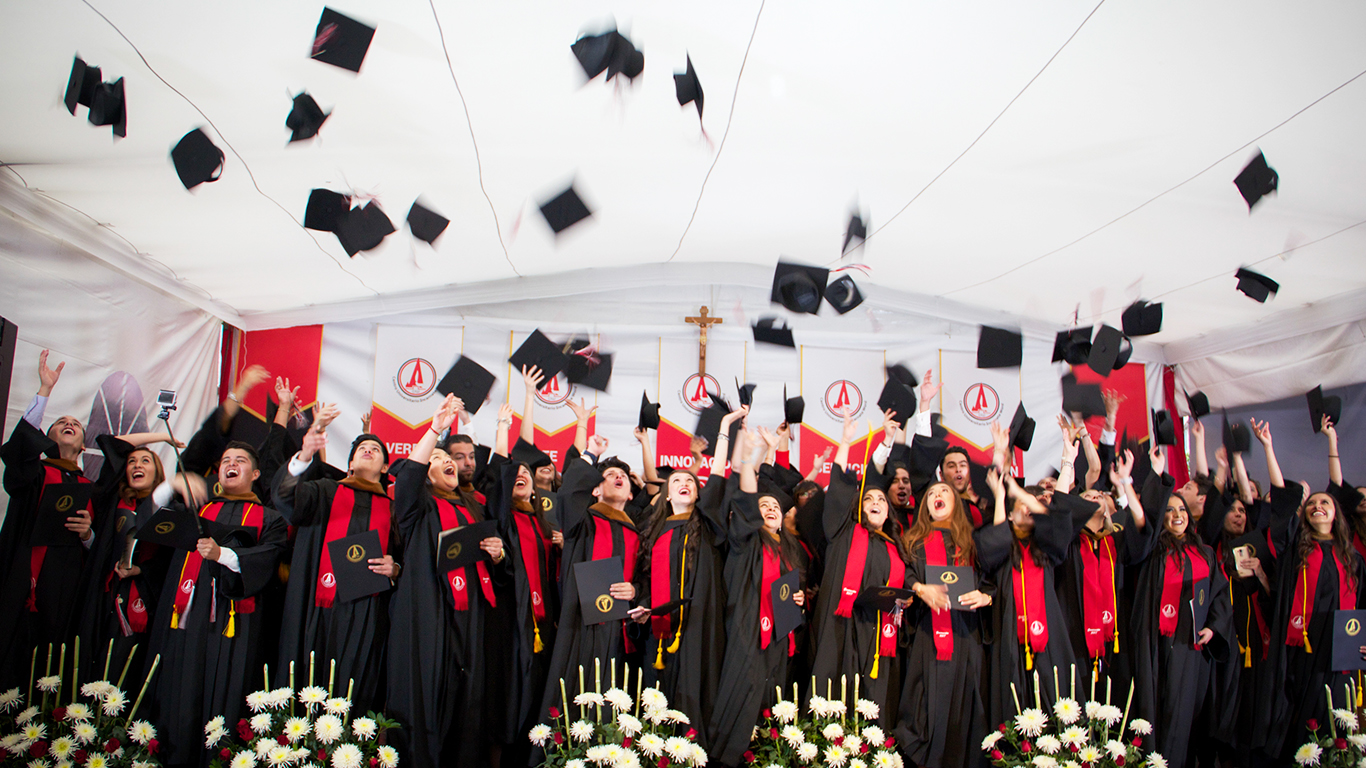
{"x":793,"y":735}
{"x":1048,"y":744}
{"x":114,"y":702}
{"x":868,"y":710}
{"x":13,"y":743}
{"x":25,"y":716}
{"x":1092,"y":707}
{"x":1346,"y":719}
{"x":874,"y":736}
{"x":991,"y":739}
{"x":1075,"y":736}
{"x":1031,"y":722}
{"x":834,"y":756}
{"x":676,"y":717}
{"x":258,"y":700}
{"x":10,"y":699}
{"x":328,"y":728}
{"x":97,"y":760}
{"x":279,"y":698}
{"x":364,"y":728}
{"x":678,"y":748}
{"x":852,"y":743}
{"x":216,"y":724}
{"x":652,"y":698}
{"x":243,"y":759}
{"x":279,"y":755}
{"x":1089,"y":754}
{"x":296,"y":728}
{"x":629,"y":724}
{"x":388,"y":756}
{"x":832,"y":731}
{"x":212,"y":738}
{"x":1044,"y":761}
{"x":142,"y":732}
{"x":1067,"y":710}
{"x":651,"y":745}
{"x":62,"y":747}
{"x":261,"y":723}
{"x":337,"y":706}
{"x":1116,"y":748}
{"x":619,"y":699}
{"x":596,"y":754}
{"x":884,"y":759}
{"x":1308,"y":754}
{"x":67,"y":764}
{"x":35,"y":731}
{"x":136,"y":764}
{"x":575,"y":763}
{"x":78,"y":711}
{"x":837,"y":708}
{"x":49,"y":684}
{"x":807,"y":752}
{"x":1156,"y":761}
{"x":39,"y":764}
{"x":817,"y":706}
{"x":588,"y":698}
{"x":1110,"y":714}
{"x":1358,"y":740}
{"x":98,"y":688}
{"x":656,"y":716}
{"x":346,"y":756}
{"x":581,"y":730}
{"x":785,"y":711}
{"x":263,"y":746}
{"x":1140,"y":726}
{"x":539,"y":734}
{"x":857,"y":763}
{"x":313,"y":694}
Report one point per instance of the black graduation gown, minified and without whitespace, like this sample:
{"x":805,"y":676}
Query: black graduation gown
{"x":436,"y":654}
{"x":203,"y":672}
{"x":749,"y":674}
{"x":1290,"y":688}
{"x":847,"y":646}
{"x":1170,"y":675}
{"x":352,"y":633}
{"x":942,"y":718}
{"x":1233,"y":701}
{"x":999,"y":555}
{"x":926,"y":456}
{"x":58,"y":592}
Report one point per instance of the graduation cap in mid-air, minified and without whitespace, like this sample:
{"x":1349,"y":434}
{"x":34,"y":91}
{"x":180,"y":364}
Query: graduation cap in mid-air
{"x":81,"y":85}
{"x":341,"y":40}
{"x":363,"y":228}
{"x":1199,"y":404}
{"x":85,"y":86}
{"x":688,"y":88}
{"x":843,"y":294}
{"x":1072,"y":346}
{"x":1320,"y":406}
{"x":709,"y":424}
{"x":793,"y":408}
{"x":1256,"y":286}
{"x":541,"y":352}
{"x":564,"y":210}
{"x":1085,"y":399}
{"x":1104,"y":358}
{"x":1142,"y":318}
{"x":426,"y":224}
{"x":901,"y":373}
{"x":999,"y":348}
{"x":530,"y":455}
{"x":305,"y":118}
{"x":1256,"y":180}
{"x":196,"y":159}
{"x":1237,"y":437}
{"x":798,"y":287}
{"x":649,"y":413}
{"x":773,"y":330}
{"x":746,"y":392}
{"x":898,"y":397}
{"x":325,"y":209}
{"x":1021,"y":429}
{"x":587,"y":365}
{"x":610,"y":51}
{"x":1164,"y":429}
{"x":469,"y":381}
{"x":856,"y":230}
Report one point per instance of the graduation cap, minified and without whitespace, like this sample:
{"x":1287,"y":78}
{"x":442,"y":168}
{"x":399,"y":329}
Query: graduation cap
{"x":1164,"y":429}
{"x":85,"y":86}
{"x":882,"y":598}
{"x":587,"y":366}
{"x":565,"y":210}
{"x":1347,"y":640}
{"x":59,"y":501}
{"x":305,"y":118}
{"x":787,"y":615}
{"x":768,"y":487}
{"x":1319,"y":406}
{"x":1085,"y":399}
{"x":773,"y":330}
{"x":1199,"y":404}
{"x":793,"y":408}
{"x":610,"y":51}
{"x":959,"y":579}
{"x":1021,"y":429}
{"x":799,"y":287}
{"x":746,"y":392}
{"x":843,"y":294}
{"x":1105,"y":350}
{"x":459,"y":547}
{"x":856,"y":230}
{"x":1072,"y":346}
{"x":468,"y":381}
{"x":530,"y":455}
{"x":426,"y":224}
{"x":999,"y":348}
{"x":898,"y":397}
{"x":1256,"y":180}
{"x":325,"y":209}
{"x":541,"y":352}
{"x":196,"y":159}
{"x":363,"y":228}
{"x":351,"y":557}
{"x":903,"y":374}
{"x":81,"y":85}
{"x":341,"y":40}
{"x":649,"y":413}
{"x":1142,"y":318}
{"x":670,"y":607}
{"x":1255,"y":285}
{"x":709,"y":424}
{"x":594,"y":579}
{"x":688,"y":88}
{"x":1237,"y":437}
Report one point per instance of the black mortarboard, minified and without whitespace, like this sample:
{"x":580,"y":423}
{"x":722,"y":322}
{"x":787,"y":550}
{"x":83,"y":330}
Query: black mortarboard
{"x":1105,"y":350}
{"x":669,"y":607}
{"x":857,"y":230}
{"x":532,"y":456}
{"x":903,"y":374}
{"x":196,"y":159}
{"x":689,"y":88}
{"x":107,"y":107}
{"x":594,"y":579}
{"x":787,"y":615}
{"x":768,"y":487}
{"x":592,"y":369}
{"x":1085,"y":399}
{"x":80,"y":87}
{"x":959,"y":579}
{"x":1347,"y":640}
{"x":363,"y":228}
{"x":1164,"y":429}
{"x":325,"y":209}
{"x":426,"y":224}
{"x":305,"y":118}
{"x":1237,"y":437}
{"x":384,"y":449}
{"x":459,"y":547}
{"x":799,"y":287}
{"x":746,"y":392}
{"x":999,"y":348}
{"x":341,"y":40}
{"x":351,"y":557}
{"x":793,"y":408}
{"x":1320,"y":405}
{"x":898,"y":397}
{"x":565,"y":210}
{"x":1072,"y":346}
{"x":610,"y":51}
{"x":883,"y":598}
{"x":541,"y":352}
{"x":1200,"y":603}
{"x":649,"y":413}
{"x":1199,"y":404}
{"x":1126,"y":351}
{"x":773,"y":330}
{"x":1257,"y":286}
{"x":1256,"y":180}
{"x":843,"y":294}
{"x":468,"y":381}
{"x":1021,"y":429}
{"x":1142,"y":318}
{"x":59,"y":501}
{"x":709,"y":425}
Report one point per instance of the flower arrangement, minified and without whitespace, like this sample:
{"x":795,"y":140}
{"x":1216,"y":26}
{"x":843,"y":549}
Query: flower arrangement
{"x":828,"y":735}
{"x":1342,"y":745}
{"x":617,"y":730}
{"x":1073,"y":735}
{"x":69,"y":725}
{"x":321,"y":734}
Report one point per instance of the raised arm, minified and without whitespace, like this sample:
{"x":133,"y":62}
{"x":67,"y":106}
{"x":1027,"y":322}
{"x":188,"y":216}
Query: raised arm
{"x":1273,"y":468}
{"x":647,"y":457}
{"x":1221,"y":468}
{"x":1067,"y":472}
{"x":286,"y":396}
{"x":997,"y":486}
{"x":532,"y":378}
{"x":817,"y":464}
{"x":500,"y":435}
{"x":1334,"y":461}
{"x":1198,"y":447}
{"x":1240,"y":478}
{"x":582,"y":413}
{"x":445,"y":415}
{"x":251,"y":377}
{"x":1121,"y":478}
{"x":847,"y":435}
{"x":1093,"y":462}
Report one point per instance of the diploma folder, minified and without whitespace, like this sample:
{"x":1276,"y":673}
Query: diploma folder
{"x":960,"y":579}
{"x":59,"y":501}
{"x":1348,"y":637}
{"x":787,"y":615}
{"x":1200,"y":602}
{"x":459,"y":547}
{"x":595,"y":579}
{"x":176,"y":526}
{"x":883,"y":598}
{"x":351,"y":566}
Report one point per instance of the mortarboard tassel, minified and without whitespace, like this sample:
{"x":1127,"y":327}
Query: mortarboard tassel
{"x":231,"y":629}
{"x":537,"y":646}
{"x":876,"y":655}
{"x":175,"y":618}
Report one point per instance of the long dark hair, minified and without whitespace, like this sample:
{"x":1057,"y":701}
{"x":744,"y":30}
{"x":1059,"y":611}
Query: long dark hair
{"x":891,"y":528}
{"x":960,"y":528}
{"x":1341,"y":538}
{"x":1168,"y":541}
{"x":786,"y":545}
{"x":660,"y":510}
{"x":537,"y":507}
{"x":126,"y":491}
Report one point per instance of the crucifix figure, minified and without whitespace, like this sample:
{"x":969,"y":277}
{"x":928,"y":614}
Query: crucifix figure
{"x":702,"y":320}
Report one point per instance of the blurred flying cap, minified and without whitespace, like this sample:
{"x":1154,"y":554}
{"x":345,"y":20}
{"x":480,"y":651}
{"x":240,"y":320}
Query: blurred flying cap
{"x":793,"y":408}
{"x":709,"y":425}
{"x":999,"y":348}
{"x":898,"y":397}
{"x":1072,"y":346}
{"x":1319,"y":406}
{"x":426,"y":224}
{"x":80,"y":87}
{"x":1256,"y":180}
{"x":1126,"y":351}
{"x":1237,"y":437}
{"x":1199,"y":404}
{"x":1105,"y":350}
{"x":857,"y":230}
{"x":587,"y":366}
{"x":541,"y":352}
{"x":1085,"y":399}
{"x":107,"y":107}
{"x":469,"y":381}
{"x":196,"y":159}
{"x":1257,"y":286}
{"x":305,"y":118}
{"x":689,"y":88}
{"x":773,"y":330}
{"x":363,"y":228}
{"x":843,"y":294}
{"x":1021,"y":429}
{"x":1164,"y":429}
{"x":326,"y":209}
{"x":1142,"y":318}
{"x":341,"y":40}
{"x":746,"y":392}
{"x":799,"y":287}
{"x":649,"y":413}
{"x":902,"y":374}
{"x":565,"y":210}
{"x":610,"y":51}
{"x":529,"y":454}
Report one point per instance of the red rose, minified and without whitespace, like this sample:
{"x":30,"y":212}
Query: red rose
{"x":863,"y":748}
{"x":554,"y":711}
{"x":559,"y":738}
{"x":1340,"y":744}
{"x":225,"y":753}
{"x":1025,"y":746}
{"x":79,"y":756}
{"x":244,"y":730}
{"x":59,"y":713}
{"x":996,"y":754}
{"x":889,"y":743}
{"x":322,"y":756}
{"x":374,"y":761}
{"x":38,"y":749}
{"x":1075,"y":749}
{"x":1138,"y":741}
{"x":767,"y":713}
{"x":838,"y":741}
{"x":627,"y":742}
{"x":111,"y":746}
{"x":1311,"y":724}
{"x":152,"y":746}
{"x":1002,"y":729}
{"x":692,"y":733}
{"x":749,"y":756}
{"x":773,"y":733}
{"x":1119,"y":760}
{"x":663,"y":762}
{"x":282,"y":739}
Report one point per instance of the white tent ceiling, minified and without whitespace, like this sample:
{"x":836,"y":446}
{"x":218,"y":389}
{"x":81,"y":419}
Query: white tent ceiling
{"x":1036,"y":159}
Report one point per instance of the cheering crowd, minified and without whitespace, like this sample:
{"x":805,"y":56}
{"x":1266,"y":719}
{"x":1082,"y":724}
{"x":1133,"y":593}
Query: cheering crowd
{"x":1215,"y":600}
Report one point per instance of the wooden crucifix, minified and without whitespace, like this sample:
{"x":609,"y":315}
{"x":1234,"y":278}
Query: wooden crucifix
{"x":702,"y":320}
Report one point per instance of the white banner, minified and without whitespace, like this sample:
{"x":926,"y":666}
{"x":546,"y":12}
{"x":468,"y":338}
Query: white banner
{"x":682,"y":392}
{"x":834,"y":381}
{"x":409,"y":362}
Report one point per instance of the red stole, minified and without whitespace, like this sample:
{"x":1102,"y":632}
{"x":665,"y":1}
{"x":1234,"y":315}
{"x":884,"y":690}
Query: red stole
{"x":51,"y":476}
{"x":338,"y":522}
{"x":974,"y":512}
{"x":941,"y":621}
{"x":853,"y":570}
{"x":603,"y":547}
{"x":453,"y":516}
{"x":530,"y":541}
{"x":1031,"y":611}
{"x":1099,"y":608}
{"x":1359,"y":544}
{"x":661,"y":578}
{"x":253,"y":516}
{"x":1301,"y":608}
{"x":1173,"y":579}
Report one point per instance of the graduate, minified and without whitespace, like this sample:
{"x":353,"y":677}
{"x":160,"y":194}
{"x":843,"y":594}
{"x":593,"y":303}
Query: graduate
{"x":318,"y":624}
{"x":208,"y":624}
{"x":436,"y":636}
{"x":931,"y":454}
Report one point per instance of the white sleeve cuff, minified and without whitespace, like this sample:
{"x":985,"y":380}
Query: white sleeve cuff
{"x":228,"y":559}
{"x":34,"y":414}
{"x":1122,"y":500}
{"x":880,"y":455}
{"x":297,"y":467}
{"x":922,"y":424}
{"x":90,"y":542}
{"x":1107,"y":437}
{"x":163,"y":493}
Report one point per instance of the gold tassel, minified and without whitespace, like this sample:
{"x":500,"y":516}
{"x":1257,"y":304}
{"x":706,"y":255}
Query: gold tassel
{"x":1358,"y":689}
{"x":175,"y":619}
{"x":1029,"y":657}
{"x":659,"y":657}
{"x":1095,"y":669}
{"x":1247,"y":656}
{"x":1116,"y":641}
{"x":678,"y":637}
{"x":876,"y":641}
{"x":231,"y":630}
{"x":1304,"y":574}
{"x":537,"y":646}
{"x":876,"y":658}
{"x":1307,"y":649}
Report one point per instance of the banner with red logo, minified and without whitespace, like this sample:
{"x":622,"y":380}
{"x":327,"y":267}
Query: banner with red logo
{"x":683,"y":394}
{"x":554,"y":421}
{"x":289,"y":353}
{"x":409,"y":361}
{"x":972,"y":398}
{"x":833,"y":382}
